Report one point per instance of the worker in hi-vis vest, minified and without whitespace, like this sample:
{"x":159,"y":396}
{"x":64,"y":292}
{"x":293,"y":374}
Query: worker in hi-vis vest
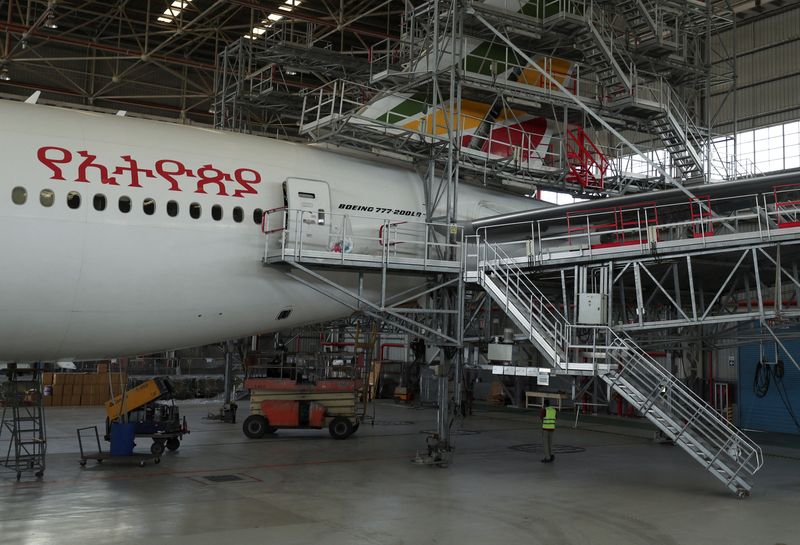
{"x":548,"y":416}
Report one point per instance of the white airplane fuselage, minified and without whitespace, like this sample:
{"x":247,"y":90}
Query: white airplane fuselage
{"x":87,"y":283}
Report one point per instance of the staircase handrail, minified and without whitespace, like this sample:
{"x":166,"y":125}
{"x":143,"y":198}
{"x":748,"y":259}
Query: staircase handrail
{"x":602,"y":162}
{"x":537,"y":306}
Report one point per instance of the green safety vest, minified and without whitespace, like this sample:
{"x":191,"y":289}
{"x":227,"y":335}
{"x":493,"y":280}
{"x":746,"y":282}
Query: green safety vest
{"x":549,"y":421}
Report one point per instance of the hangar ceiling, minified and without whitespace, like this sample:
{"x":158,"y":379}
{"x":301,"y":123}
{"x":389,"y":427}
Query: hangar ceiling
{"x":159,"y":57}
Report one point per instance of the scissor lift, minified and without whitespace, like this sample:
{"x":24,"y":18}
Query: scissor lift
{"x":304,"y":397}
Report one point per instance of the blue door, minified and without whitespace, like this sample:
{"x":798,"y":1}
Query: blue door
{"x":773,"y":412}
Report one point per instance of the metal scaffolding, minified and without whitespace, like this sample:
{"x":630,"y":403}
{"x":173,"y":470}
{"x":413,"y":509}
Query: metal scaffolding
{"x":474,"y":76}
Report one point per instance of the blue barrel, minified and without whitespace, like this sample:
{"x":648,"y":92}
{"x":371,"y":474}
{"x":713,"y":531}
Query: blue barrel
{"x":122,"y":438}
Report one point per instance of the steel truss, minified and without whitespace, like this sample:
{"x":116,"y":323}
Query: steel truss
{"x":127,"y":55}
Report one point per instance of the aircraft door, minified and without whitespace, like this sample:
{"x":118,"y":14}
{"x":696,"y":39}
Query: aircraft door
{"x":308,"y":218}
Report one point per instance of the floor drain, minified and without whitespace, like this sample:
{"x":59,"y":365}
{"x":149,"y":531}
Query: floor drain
{"x":456,"y":432}
{"x":222,"y":478}
{"x":539,"y":448}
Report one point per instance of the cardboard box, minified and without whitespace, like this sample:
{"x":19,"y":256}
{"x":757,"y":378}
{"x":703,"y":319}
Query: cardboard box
{"x":118,"y":380}
{"x":76,"y":400}
{"x":47,"y":379}
{"x":48,"y":401}
{"x":102,"y":368}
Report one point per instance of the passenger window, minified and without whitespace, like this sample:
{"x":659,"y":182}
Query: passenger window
{"x":47,"y":197}
{"x":238,"y":214}
{"x":99,"y":202}
{"x":172,"y":209}
{"x":74,"y":200}
{"x":124,"y":204}
{"x":19,"y":195}
{"x":216,"y":212}
{"x":194,"y":210}
{"x":257,"y":216}
{"x":149,"y":207}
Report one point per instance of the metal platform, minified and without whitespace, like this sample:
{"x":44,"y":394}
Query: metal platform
{"x":651,"y":232}
{"x":423,"y":265}
{"x":361,"y":242}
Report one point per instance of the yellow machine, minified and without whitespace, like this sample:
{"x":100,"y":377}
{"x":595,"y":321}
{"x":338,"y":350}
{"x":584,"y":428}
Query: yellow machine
{"x":137,"y":397}
{"x":150,"y":407}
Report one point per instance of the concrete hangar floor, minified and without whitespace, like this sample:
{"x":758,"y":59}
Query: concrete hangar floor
{"x":610,"y":484}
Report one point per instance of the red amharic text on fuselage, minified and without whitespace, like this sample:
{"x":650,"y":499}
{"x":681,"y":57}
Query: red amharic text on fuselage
{"x":81,"y":165}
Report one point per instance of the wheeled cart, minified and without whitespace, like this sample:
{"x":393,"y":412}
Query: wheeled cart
{"x":100,"y":455}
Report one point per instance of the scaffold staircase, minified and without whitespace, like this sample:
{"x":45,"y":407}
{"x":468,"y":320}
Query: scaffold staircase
{"x":638,"y":20}
{"x":681,"y":141}
{"x":587,"y":165}
{"x":620,"y":85}
{"x":598,"y":46}
{"x":721,"y":448}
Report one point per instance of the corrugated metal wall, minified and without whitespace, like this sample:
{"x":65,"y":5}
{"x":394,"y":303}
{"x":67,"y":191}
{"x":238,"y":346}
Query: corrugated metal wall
{"x":767,"y":52}
{"x":768,"y":413}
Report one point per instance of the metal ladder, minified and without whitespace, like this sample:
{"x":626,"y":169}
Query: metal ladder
{"x":23,"y":420}
{"x":721,"y":448}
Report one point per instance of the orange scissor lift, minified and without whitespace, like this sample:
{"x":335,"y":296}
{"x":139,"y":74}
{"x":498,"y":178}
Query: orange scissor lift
{"x":303,"y":395}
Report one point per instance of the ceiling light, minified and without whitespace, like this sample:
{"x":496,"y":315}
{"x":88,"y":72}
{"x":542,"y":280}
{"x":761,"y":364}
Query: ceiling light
{"x":50,"y":22}
{"x":173,"y":11}
{"x":4,"y":75}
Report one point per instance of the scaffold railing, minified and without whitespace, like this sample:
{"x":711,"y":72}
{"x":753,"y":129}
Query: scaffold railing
{"x":514,"y":141}
{"x":641,"y":229}
{"x":358,"y":240}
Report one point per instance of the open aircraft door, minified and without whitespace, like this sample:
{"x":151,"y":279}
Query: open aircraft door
{"x":308,"y":217}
